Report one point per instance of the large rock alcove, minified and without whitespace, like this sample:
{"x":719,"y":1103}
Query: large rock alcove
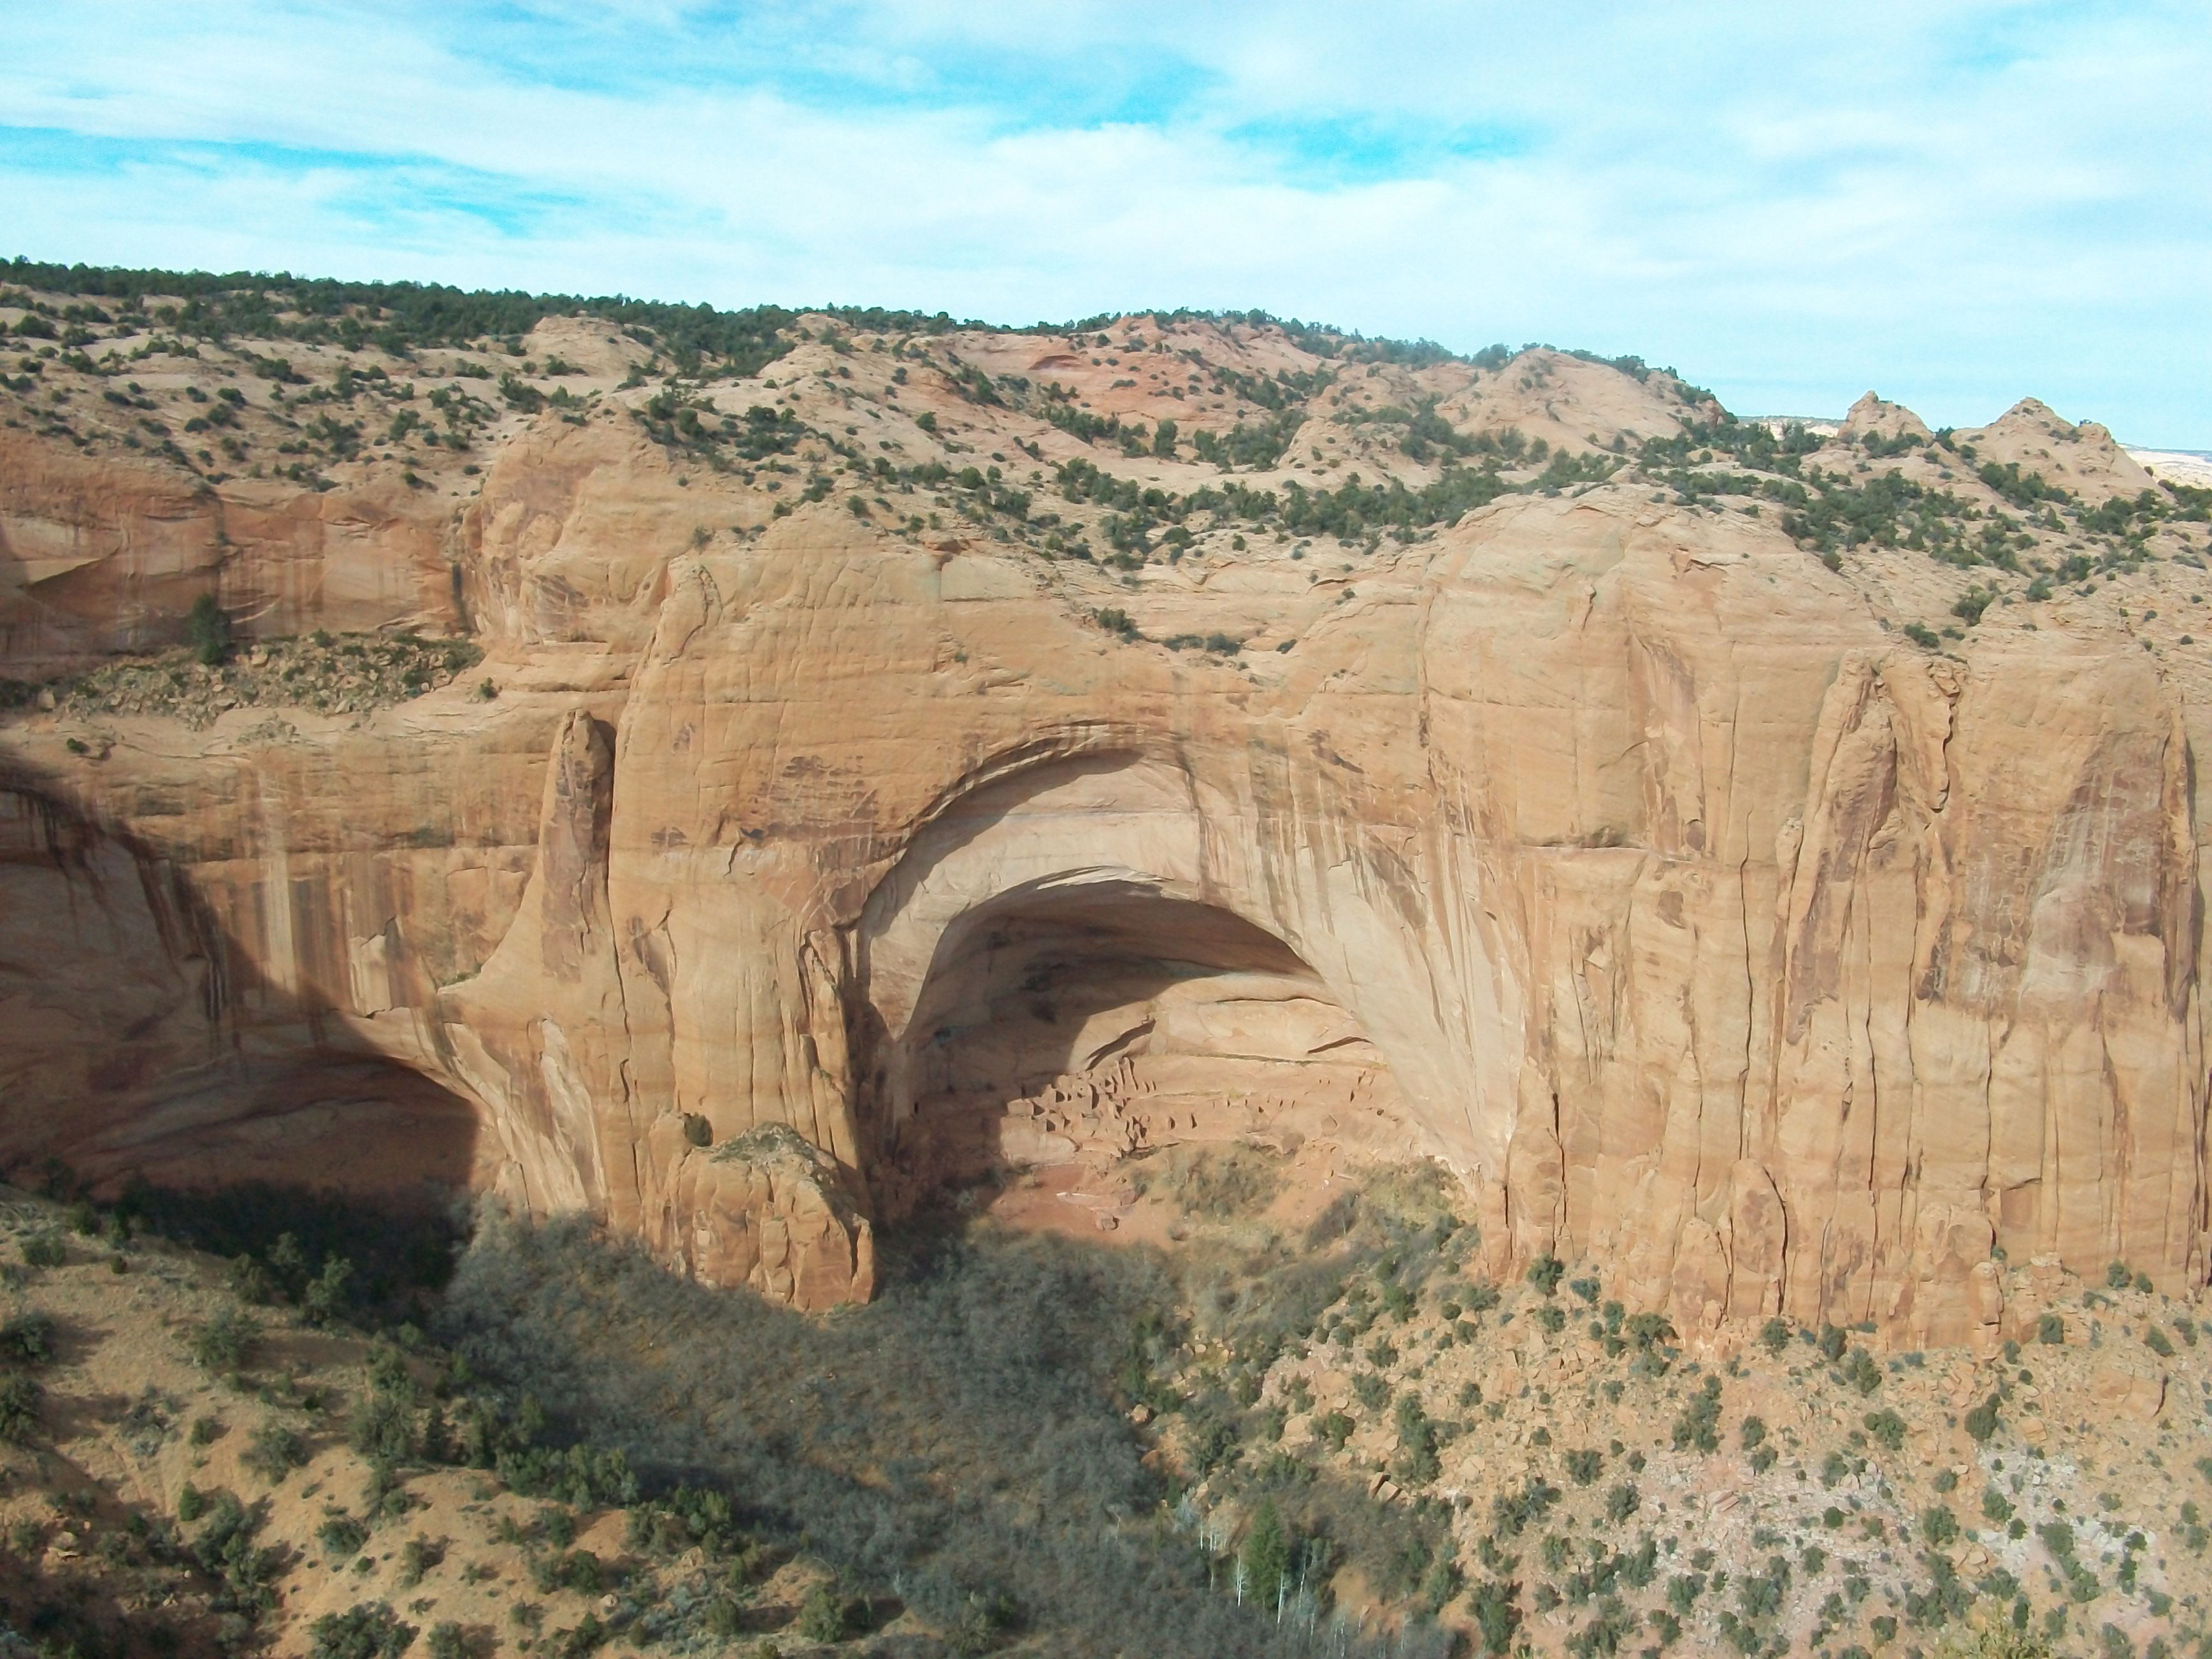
{"x":1050,"y":972}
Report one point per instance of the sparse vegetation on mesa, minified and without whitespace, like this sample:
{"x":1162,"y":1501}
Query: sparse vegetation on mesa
{"x":1113,"y":450}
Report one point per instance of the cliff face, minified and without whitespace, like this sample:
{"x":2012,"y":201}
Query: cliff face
{"x":1612,"y":849}
{"x":103,"y":557}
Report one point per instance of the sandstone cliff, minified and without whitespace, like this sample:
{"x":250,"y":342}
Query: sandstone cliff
{"x":1582,"y":813}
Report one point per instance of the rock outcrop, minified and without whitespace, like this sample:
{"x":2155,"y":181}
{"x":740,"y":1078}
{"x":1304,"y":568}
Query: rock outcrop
{"x":2084,"y":457}
{"x":771,"y":1211}
{"x":1874,"y":417}
{"x":1616,"y":852}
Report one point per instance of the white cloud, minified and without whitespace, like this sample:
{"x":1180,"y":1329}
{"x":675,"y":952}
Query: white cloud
{"x":1958,"y":203}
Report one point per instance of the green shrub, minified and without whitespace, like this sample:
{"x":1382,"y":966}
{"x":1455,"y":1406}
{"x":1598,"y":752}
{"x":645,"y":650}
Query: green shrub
{"x":274,"y":1450}
{"x":571,"y":1569}
{"x":1982,"y":1420}
{"x":325,"y":1297}
{"x":1760,"y":1595}
{"x":27,"y":1338}
{"x":1513,"y":1511}
{"x":1969,"y":606}
{"x":1496,"y":1609}
{"x":1699,"y":1425}
{"x":250,"y":1282}
{"x":1266,"y":1555}
{"x":416,"y":1556}
{"x":1584,"y":1467}
{"x":825,"y":1616}
{"x":725,"y":1617}
{"x":207,"y":627}
{"x":2051,"y":1330}
{"x":20,"y":1399}
{"x":223,"y":1342}
{"x":45,"y":1248}
{"x":340,"y":1535}
{"x":1418,"y":1463}
{"x":368,"y":1631}
{"x":383,"y":1427}
{"x":1861,"y":1372}
{"x":1888,"y":1427}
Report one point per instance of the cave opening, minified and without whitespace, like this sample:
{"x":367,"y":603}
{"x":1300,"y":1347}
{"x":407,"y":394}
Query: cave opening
{"x":1095,"y":1019}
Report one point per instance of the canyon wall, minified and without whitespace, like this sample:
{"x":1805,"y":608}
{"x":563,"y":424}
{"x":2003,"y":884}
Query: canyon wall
{"x":1616,"y":854}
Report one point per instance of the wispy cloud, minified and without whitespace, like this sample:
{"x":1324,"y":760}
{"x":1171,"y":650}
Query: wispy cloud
{"x":1959,"y":202}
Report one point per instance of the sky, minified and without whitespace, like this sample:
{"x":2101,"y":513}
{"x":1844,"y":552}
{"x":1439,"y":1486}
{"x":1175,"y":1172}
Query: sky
{"x":1957,"y":203}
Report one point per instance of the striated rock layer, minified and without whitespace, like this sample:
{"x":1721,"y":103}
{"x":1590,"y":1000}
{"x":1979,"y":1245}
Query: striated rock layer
{"x":1616,"y":853}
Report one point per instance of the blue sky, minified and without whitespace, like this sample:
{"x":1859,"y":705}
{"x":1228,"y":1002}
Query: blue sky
{"x":1957,"y":203}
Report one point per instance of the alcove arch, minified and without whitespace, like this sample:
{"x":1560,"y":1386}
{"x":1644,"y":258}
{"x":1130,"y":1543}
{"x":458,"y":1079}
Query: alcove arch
{"x":1070,"y":962}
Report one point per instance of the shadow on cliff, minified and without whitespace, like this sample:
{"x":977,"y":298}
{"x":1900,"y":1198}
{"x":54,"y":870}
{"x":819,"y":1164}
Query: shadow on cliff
{"x":137,"y":1041}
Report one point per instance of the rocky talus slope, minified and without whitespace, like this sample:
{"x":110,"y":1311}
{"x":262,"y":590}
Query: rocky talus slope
{"x":1317,"y":1426}
{"x":1543,"y":1471}
{"x":1765,"y":866}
